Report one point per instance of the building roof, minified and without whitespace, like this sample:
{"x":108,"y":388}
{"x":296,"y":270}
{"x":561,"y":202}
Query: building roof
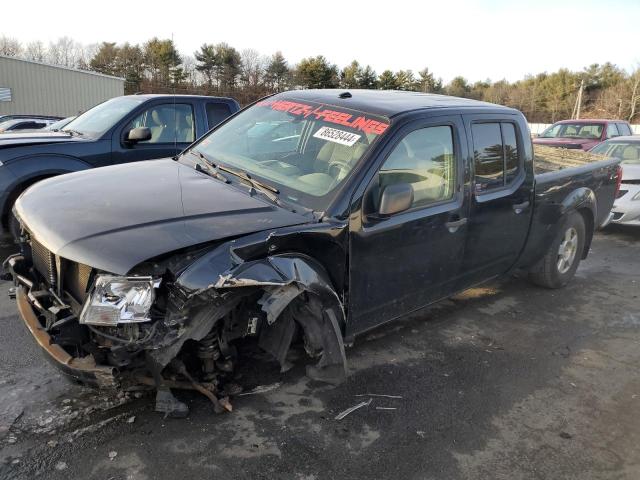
{"x":77,"y":70}
{"x":389,"y":102}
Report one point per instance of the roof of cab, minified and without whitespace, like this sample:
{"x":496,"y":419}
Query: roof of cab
{"x":389,"y":102}
{"x":149,"y":96}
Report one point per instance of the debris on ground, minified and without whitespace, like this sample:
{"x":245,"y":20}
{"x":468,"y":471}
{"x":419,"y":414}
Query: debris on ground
{"x":341,"y":415}
{"x":386,"y":408}
{"x":420,"y":433}
{"x":261,"y":389}
{"x":566,"y":435}
{"x":131,"y":419}
{"x":113,"y":454}
{"x":61,"y":466}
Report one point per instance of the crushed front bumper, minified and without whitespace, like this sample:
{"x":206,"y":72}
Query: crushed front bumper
{"x":82,"y":369}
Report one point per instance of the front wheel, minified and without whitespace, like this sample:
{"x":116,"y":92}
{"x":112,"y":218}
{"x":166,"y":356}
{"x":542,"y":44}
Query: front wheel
{"x":561,"y":261}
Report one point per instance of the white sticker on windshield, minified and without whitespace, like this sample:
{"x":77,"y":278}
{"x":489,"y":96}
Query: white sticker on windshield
{"x":337,"y":136}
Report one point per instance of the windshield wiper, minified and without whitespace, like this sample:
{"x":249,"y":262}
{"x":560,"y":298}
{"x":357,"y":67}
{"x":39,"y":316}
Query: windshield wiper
{"x":267,"y":190}
{"x":209,"y":167}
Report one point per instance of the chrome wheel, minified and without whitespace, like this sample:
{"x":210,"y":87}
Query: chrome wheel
{"x":567,"y":250}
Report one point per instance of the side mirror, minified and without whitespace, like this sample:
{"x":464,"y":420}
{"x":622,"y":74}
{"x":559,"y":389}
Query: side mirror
{"x":395,"y":199}
{"x":139,"y":134}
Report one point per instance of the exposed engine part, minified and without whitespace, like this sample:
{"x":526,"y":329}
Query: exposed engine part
{"x":209,"y":353}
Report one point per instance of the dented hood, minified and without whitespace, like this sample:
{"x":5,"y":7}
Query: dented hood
{"x":113,"y":218}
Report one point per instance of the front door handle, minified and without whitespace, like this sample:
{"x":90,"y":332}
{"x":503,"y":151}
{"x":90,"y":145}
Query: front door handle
{"x":520,"y":207}
{"x":455,"y":224}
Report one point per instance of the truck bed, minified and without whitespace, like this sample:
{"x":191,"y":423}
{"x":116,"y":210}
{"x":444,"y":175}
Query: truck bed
{"x":552,"y":159}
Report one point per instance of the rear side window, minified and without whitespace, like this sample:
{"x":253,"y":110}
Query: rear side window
{"x":495,"y":154}
{"x":216,"y":113}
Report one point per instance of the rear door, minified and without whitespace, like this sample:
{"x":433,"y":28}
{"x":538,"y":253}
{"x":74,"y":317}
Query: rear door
{"x":502,"y":195}
{"x":402,"y":262}
{"x":172,"y":128}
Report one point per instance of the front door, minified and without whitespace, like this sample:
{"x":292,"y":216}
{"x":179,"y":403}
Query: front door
{"x":501,"y":204}
{"x":401,"y":262}
{"x":172,"y":130}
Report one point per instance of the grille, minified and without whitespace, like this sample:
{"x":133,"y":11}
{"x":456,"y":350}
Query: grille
{"x":76,"y":279}
{"x":75,"y":276}
{"x":44,"y":261}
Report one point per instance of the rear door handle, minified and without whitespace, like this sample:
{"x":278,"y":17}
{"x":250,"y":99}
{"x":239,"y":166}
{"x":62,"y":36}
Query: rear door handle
{"x":455,"y":224}
{"x":520,"y":207}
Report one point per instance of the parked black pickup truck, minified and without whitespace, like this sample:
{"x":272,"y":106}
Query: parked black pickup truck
{"x":311,"y":216}
{"x":123,"y":129}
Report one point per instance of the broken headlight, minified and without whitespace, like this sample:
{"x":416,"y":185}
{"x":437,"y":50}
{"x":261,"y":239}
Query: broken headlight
{"x":115,"y":300}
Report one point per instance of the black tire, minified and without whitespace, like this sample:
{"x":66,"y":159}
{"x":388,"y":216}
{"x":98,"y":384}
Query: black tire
{"x":561,"y":261}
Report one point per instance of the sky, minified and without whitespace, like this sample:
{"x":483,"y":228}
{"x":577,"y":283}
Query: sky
{"x":484,"y":39}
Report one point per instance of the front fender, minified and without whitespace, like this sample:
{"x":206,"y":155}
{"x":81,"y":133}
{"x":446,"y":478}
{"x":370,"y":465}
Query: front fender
{"x":282,"y":278}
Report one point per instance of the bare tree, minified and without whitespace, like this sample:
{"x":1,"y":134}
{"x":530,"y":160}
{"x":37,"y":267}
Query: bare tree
{"x":635,"y":93}
{"x":63,"y":52}
{"x":252,"y":67}
{"x":10,"y":47}
{"x":35,"y":51}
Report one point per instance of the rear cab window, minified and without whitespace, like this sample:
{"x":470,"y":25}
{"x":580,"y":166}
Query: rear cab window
{"x":496,"y":155}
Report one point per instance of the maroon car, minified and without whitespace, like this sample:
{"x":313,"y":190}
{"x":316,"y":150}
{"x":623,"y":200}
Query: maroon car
{"x":582,"y":134}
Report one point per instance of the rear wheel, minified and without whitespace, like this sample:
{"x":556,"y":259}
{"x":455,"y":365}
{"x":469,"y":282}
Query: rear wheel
{"x":561,"y":261}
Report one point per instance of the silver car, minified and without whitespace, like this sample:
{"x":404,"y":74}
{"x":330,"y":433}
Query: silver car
{"x":626,"y":209}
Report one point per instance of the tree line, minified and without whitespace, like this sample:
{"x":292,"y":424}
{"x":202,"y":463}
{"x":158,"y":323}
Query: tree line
{"x":221,"y":69}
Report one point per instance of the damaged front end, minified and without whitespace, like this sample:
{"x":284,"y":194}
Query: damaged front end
{"x":175,"y":323}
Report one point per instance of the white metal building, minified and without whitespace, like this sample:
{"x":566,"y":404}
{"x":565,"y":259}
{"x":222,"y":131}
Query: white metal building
{"x":34,"y":88}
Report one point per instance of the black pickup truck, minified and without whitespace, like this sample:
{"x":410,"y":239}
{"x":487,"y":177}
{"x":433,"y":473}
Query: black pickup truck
{"x":123,"y":129}
{"x":311,"y":216}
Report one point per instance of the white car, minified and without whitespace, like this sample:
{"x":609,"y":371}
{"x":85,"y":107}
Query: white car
{"x":626,"y":208}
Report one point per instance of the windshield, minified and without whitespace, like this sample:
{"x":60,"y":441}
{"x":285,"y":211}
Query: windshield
{"x":304,"y":149}
{"x":55,"y":126}
{"x":99,"y":119}
{"x":574,"y":130}
{"x":628,"y":152}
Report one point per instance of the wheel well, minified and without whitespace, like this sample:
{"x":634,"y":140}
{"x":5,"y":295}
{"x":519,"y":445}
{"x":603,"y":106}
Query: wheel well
{"x":15,"y":193}
{"x":587,"y":216}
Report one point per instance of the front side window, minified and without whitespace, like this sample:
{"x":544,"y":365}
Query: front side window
{"x":168,"y":123}
{"x":425,"y":160}
{"x":624,"y":129}
{"x":612,"y":130}
{"x":495,"y":154}
{"x":305,"y":149}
